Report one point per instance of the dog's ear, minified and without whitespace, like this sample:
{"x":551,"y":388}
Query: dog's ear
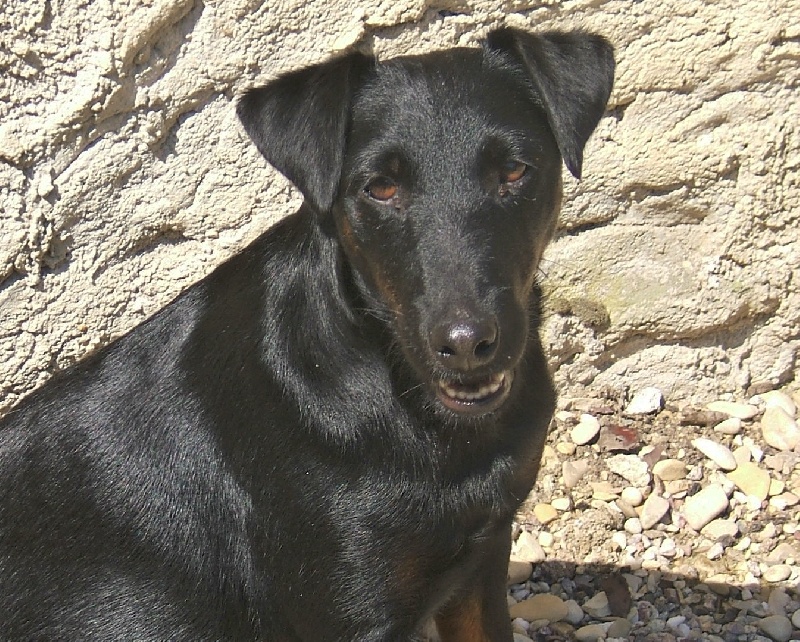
{"x":572,"y":73}
{"x":299,"y":123}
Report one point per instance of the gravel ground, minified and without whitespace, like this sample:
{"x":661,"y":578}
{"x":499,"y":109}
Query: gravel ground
{"x":654,"y":524}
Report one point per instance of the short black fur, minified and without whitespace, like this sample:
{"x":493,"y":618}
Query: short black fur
{"x":327,"y":437}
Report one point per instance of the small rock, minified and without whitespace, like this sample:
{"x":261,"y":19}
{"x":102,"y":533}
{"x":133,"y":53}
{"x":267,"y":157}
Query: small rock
{"x":573,"y":471}
{"x":598,"y":606}
{"x":561,"y":504}
{"x":651,"y":455}
{"x":645,"y":402}
{"x":779,"y":430}
{"x":518,"y":571}
{"x":733,"y":409}
{"x":776,"y":398}
{"x":700,"y":509}
{"x":742,"y":455}
{"x":777,"y":573}
{"x":778,"y":601}
{"x":720,"y":530}
{"x":784,"y":553}
{"x":776,"y":487}
{"x":630,"y":467}
{"x":670,"y":469}
{"x":668,"y":548}
{"x":777,"y":627}
{"x":591,"y":633}
{"x":620,"y":540}
{"x":751,"y":480}
{"x":590,"y":405}
{"x":620,"y":628}
{"x":730,"y":426}
{"x":632,"y":496}
{"x":528,"y":549}
{"x":540,"y":607}
{"x":626,"y":509}
{"x":616,"y":438}
{"x":585,"y":431}
{"x":677,"y":488}
{"x":784,"y":501}
{"x":604,"y":491}
{"x":719,"y":454}
{"x":696,"y":472}
{"x":546,"y":539}
{"x":566,"y":448}
{"x":782,"y":462}
{"x":574,"y":612}
{"x":545,"y":513}
{"x":796,"y":619}
{"x":756,"y":451}
{"x":633,"y":526}
{"x":654,"y":508}
{"x":695,"y":417}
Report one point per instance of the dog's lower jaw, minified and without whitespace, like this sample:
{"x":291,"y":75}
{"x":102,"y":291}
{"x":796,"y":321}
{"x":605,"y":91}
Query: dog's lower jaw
{"x":476,"y":398}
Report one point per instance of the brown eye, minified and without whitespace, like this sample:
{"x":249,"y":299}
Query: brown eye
{"x":381,"y":189}
{"x":513,"y":171}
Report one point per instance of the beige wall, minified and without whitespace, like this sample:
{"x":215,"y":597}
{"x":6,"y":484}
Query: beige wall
{"x":124,"y":175}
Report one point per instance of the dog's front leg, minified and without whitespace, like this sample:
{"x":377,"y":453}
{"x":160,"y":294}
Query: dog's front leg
{"x":480,"y":612}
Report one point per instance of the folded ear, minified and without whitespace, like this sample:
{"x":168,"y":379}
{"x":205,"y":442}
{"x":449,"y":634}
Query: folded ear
{"x":572,"y":73}
{"x":299,"y":123}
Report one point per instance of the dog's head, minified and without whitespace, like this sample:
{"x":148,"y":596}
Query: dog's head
{"x":441,"y":176}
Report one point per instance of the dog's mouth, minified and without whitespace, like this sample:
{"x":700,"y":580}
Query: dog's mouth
{"x":475,"y":397}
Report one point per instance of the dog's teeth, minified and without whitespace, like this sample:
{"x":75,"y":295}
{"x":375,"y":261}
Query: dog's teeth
{"x":486,"y":390}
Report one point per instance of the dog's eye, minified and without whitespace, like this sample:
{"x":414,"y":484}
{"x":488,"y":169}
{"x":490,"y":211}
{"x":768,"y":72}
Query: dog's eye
{"x":381,"y":189}
{"x":513,"y":171}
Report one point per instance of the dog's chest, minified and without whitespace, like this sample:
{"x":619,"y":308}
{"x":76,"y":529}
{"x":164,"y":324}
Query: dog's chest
{"x":430,"y":536}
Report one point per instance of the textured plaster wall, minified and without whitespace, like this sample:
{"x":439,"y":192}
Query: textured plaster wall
{"x":124,"y":176}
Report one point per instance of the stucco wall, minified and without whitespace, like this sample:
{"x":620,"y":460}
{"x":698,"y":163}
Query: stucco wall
{"x":124,"y":175}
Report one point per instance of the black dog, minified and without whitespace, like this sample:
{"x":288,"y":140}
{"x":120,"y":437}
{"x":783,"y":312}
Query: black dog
{"x":328,"y":437}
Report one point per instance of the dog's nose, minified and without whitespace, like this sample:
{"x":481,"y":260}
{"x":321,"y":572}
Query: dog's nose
{"x":465,"y":344}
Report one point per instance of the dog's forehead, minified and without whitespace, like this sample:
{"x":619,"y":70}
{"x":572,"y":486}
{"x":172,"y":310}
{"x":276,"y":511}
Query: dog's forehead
{"x":437,"y":85}
{"x":448,"y":99}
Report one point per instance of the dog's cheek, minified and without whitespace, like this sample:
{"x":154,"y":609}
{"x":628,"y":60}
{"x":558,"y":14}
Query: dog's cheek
{"x":371,"y":270}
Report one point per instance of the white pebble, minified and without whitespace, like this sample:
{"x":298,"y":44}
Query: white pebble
{"x":633,"y":526}
{"x":733,"y":409}
{"x":645,"y":402}
{"x":620,"y":540}
{"x":729,"y":426}
{"x":779,"y":399}
{"x":585,"y":431}
{"x":598,"y":605}
{"x":561,"y":504}
{"x":632,"y":496}
{"x":779,"y":429}
{"x":777,"y":573}
{"x":631,"y":468}
{"x":701,"y":508}
{"x":719,"y":454}
{"x":654,"y":508}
